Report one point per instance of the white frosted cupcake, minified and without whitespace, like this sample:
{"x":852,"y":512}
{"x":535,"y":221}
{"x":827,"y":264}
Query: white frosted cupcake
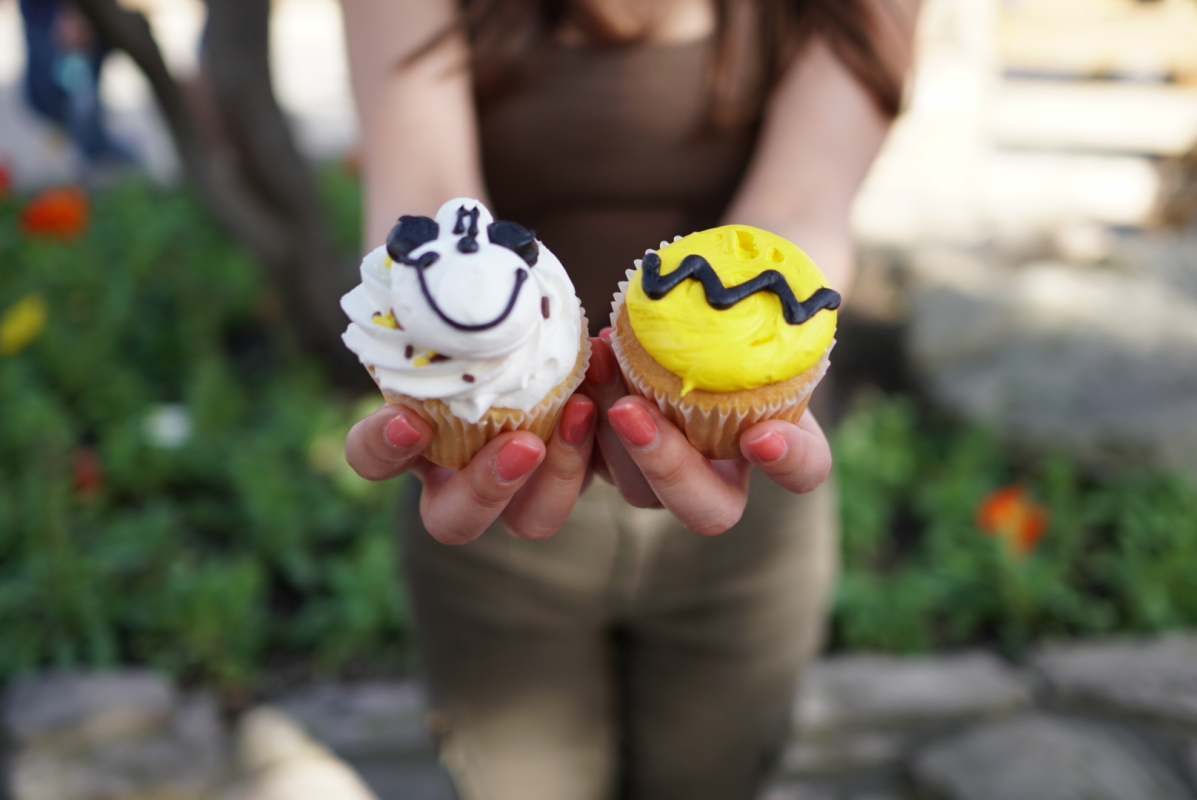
{"x":471,"y":323}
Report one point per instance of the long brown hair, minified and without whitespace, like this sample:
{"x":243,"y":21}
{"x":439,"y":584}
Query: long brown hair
{"x":503,"y":35}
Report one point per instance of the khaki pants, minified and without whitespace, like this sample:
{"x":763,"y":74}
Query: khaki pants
{"x":625,"y":657}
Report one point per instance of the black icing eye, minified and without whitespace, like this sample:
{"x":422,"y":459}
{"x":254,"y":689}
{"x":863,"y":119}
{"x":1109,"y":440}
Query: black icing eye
{"x":515,"y":238}
{"x":408,"y":234}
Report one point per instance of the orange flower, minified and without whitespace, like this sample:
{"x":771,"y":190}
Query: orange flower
{"x":59,"y":213}
{"x":89,"y":476}
{"x":1008,"y":514}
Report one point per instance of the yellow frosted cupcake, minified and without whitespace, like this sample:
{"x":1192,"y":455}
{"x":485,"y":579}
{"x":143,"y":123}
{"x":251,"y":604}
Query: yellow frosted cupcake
{"x":723,"y":329}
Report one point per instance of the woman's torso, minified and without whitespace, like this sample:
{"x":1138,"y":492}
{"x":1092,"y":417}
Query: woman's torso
{"x":605,"y":152}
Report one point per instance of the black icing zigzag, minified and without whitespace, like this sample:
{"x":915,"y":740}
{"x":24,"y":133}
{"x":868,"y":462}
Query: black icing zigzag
{"x":721,"y":297}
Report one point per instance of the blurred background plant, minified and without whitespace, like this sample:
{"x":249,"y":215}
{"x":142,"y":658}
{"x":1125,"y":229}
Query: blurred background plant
{"x":173,"y":400}
{"x":172,"y":485}
{"x":952,"y":539}
{"x":173,"y":489}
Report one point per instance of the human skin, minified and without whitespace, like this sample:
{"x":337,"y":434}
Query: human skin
{"x":821,"y":132}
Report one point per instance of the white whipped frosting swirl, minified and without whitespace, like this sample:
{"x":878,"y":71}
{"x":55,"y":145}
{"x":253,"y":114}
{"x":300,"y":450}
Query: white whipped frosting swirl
{"x":441,"y":340}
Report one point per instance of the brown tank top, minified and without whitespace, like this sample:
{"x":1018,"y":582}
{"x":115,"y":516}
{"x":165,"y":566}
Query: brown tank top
{"x":604,"y":154}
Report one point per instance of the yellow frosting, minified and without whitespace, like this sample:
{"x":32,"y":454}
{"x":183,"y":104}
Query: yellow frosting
{"x":742,"y":347}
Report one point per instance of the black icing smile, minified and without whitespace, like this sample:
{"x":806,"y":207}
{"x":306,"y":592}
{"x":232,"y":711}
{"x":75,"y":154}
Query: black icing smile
{"x":521,"y":275}
{"x":413,"y":232}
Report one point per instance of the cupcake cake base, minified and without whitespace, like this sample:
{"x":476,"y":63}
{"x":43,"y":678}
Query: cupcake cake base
{"x":455,"y":441}
{"x":712,"y":421}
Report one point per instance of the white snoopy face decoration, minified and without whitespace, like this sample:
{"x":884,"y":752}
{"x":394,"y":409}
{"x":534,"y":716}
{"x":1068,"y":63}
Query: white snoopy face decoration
{"x":462,"y":279}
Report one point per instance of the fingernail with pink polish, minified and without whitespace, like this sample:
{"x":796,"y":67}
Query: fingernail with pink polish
{"x":634,"y":424}
{"x":577,"y":420}
{"x":400,"y":433}
{"x":515,"y":460}
{"x":767,"y":448}
{"x":602,"y":365}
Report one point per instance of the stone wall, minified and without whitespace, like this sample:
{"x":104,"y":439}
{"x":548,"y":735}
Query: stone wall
{"x":127,"y":735}
{"x":1101,"y":720}
{"x":1104,"y":720}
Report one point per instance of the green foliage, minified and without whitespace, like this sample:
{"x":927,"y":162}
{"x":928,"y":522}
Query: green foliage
{"x":247,"y":543}
{"x":342,"y":190}
{"x":919,"y":574}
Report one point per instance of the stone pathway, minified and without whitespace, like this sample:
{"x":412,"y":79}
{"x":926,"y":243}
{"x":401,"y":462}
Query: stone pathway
{"x":1030,"y":347}
{"x":1100,"y":720}
{"x":110,"y":735}
{"x":379,"y":729}
{"x":275,"y":759}
{"x":1046,"y":758}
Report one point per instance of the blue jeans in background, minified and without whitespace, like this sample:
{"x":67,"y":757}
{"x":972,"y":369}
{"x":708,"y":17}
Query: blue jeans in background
{"x":63,"y":85}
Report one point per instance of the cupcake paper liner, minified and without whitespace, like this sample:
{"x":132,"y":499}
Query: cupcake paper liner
{"x":455,"y":441}
{"x":712,"y":421}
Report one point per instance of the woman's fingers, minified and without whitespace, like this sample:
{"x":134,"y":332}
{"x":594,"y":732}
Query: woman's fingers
{"x":541,"y":505}
{"x":795,"y":456}
{"x":458,"y":505}
{"x":707,"y":497}
{"x":604,"y":384}
{"x":386,"y":443}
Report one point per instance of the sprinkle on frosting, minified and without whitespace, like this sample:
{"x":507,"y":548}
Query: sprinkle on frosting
{"x":386,"y":320}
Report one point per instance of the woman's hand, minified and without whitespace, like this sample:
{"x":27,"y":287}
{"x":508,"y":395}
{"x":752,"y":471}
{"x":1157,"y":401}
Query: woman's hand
{"x":653,"y":464}
{"x":515,"y":477}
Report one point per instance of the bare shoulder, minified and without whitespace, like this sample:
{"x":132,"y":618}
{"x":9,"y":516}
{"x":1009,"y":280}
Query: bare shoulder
{"x":390,"y":31}
{"x":823,"y":128}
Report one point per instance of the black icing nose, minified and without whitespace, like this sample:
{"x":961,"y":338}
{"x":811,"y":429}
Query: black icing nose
{"x":469,"y":242}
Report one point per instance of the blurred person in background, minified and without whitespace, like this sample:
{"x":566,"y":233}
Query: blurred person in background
{"x":604,"y":649}
{"x":64,"y":58}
